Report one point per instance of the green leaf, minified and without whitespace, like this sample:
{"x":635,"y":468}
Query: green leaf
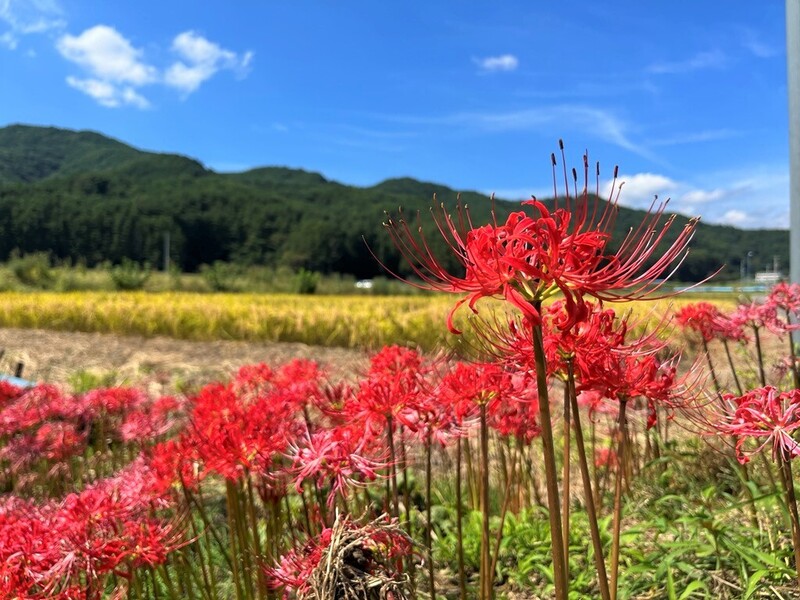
{"x":694,"y":586}
{"x":752,"y":583}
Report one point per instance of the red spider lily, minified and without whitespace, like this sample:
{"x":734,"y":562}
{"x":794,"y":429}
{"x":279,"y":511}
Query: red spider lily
{"x":35,"y":406}
{"x":581,"y":343}
{"x":531,"y":257}
{"x":298,"y":381}
{"x":111,"y":401}
{"x":152,"y":419}
{"x":8,"y":392}
{"x":175,"y":461}
{"x":293,"y":572}
{"x":764,"y":413}
{"x":235,"y":434}
{"x":785,"y":296}
{"x":606,"y":457}
{"x":110,"y":527}
{"x":252,"y":378}
{"x":341,"y":457}
{"x":392,"y":390}
{"x":704,"y":318}
{"x":758,"y":316}
{"x":594,"y":401}
{"x":626,"y":375}
{"x":469,"y":385}
{"x":516,"y":413}
{"x":52,"y":441}
{"x":300,"y":378}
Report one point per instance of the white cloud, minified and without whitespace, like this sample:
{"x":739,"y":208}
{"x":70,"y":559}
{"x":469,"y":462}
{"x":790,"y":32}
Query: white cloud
{"x":108,"y":94}
{"x":114,"y":66}
{"x":504,"y":62}
{"x":108,"y":56}
{"x":200,"y":60}
{"x":765,"y":187}
{"x":713,"y":59}
{"x":704,"y":196}
{"x":116,"y":70}
{"x":640,"y":189}
{"x":735,"y":217}
{"x":24,"y":17}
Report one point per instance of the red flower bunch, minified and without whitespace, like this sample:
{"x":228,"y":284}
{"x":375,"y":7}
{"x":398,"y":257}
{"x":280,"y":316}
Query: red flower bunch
{"x":534,"y":255}
{"x":340,"y":457}
{"x":785,"y":296}
{"x":763,"y":414}
{"x":757,"y":316}
{"x":235,"y":433}
{"x":109,"y":528}
{"x":516,"y":413}
{"x":152,"y":419}
{"x":704,"y":318}
{"x":392,"y":390}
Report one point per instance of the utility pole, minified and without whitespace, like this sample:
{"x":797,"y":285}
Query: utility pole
{"x":793,"y":87}
{"x":793,"y":76}
{"x":166,"y":252}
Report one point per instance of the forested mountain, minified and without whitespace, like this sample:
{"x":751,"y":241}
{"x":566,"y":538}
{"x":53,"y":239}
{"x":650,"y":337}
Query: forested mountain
{"x":83,"y":196}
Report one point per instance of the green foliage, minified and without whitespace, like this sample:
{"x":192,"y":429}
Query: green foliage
{"x":83,"y":196}
{"x":33,"y":269}
{"x":129,"y":275}
{"x":307,"y":281}
{"x":221,"y":276}
{"x":84,"y":380}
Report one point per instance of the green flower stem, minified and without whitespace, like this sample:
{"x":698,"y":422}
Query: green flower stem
{"x":623,"y":434}
{"x":553,"y":503}
{"x":597,"y":544}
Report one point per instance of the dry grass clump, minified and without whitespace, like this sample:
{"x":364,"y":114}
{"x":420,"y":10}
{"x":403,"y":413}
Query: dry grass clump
{"x":360,"y":563}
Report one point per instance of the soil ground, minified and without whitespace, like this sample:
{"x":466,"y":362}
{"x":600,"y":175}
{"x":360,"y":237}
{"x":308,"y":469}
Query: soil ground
{"x":56,"y":356}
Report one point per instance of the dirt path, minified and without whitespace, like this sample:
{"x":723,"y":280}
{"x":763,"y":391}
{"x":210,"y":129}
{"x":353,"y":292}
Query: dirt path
{"x":55,"y":356}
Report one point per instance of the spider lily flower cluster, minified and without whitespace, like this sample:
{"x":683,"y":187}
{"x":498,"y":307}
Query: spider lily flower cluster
{"x":536,"y":253}
{"x":540,"y":252}
{"x":754,"y":407}
{"x":286,"y":482}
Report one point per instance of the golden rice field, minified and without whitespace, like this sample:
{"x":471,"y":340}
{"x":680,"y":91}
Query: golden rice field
{"x":343,"y":321}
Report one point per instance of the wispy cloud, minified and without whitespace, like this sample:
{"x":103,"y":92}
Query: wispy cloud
{"x":751,"y":41}
{"x":492,"y":64}
{"x":709,"y":135}
{"x":24,"y":17}
{"x":199,"y":60}
{"x":518,"y":194}
{"x":115,"y":70}
{"x":597,"y":122}
{"x":712,"y":59}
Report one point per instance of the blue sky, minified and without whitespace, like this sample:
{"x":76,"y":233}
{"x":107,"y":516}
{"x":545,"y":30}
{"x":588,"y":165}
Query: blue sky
{"x":689,"y":99}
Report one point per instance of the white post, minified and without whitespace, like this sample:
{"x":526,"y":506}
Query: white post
{"x":793,"y":77}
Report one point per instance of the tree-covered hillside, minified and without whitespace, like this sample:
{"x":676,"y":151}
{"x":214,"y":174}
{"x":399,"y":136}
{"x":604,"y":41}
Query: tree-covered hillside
{"x":85,"y":197}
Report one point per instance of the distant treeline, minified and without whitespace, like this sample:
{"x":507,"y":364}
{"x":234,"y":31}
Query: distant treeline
{"x":89,"y":199}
